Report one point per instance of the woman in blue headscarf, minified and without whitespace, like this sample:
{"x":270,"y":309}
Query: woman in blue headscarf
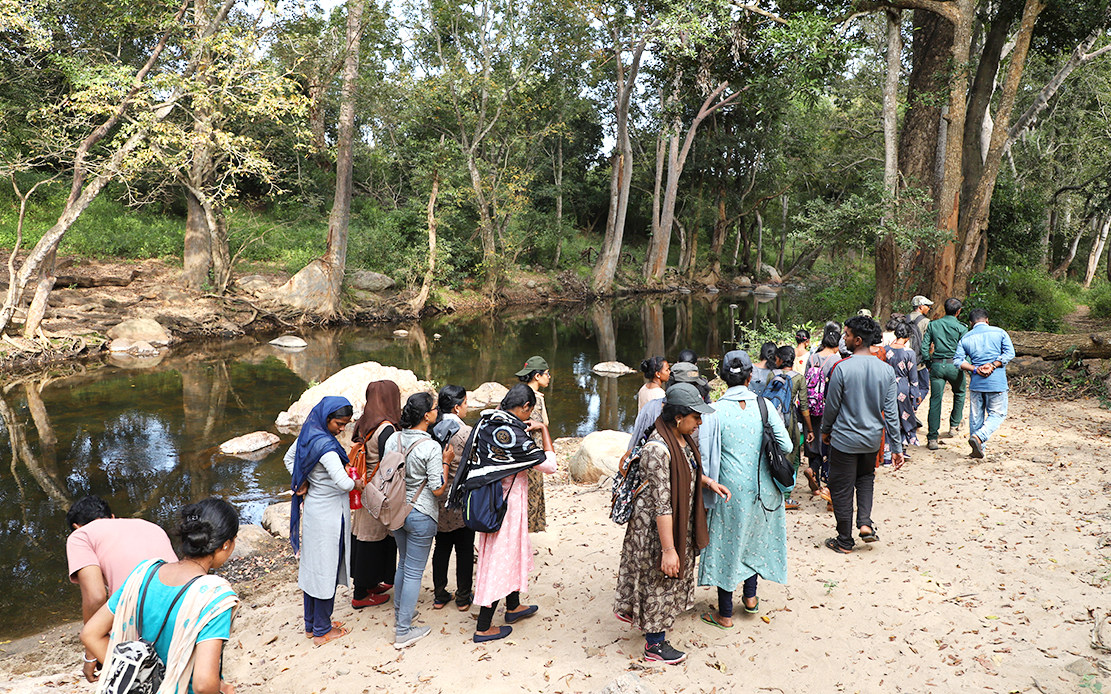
{"x":318,"y":519}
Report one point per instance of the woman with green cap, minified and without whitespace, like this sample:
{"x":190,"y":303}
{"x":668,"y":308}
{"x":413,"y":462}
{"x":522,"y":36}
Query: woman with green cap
{"x":655,"y":579}
{"x":535,"y":375}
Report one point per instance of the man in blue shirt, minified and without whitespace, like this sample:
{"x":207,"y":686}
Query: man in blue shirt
{"x":984,"y":352}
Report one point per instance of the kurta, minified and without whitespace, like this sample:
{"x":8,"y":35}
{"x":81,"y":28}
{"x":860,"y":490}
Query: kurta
{"x":325,"y":560}
{"x":365,"y":527}
{"x":505,"y":557}
{"x":645,"y":594}
{"x":746,"y":539}
{"x":452,"y":519}
{"x":906,"y":375}
{"x":537,"y":513}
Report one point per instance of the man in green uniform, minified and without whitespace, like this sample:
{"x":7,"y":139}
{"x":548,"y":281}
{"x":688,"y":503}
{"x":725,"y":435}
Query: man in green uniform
{"x":939,"y":344}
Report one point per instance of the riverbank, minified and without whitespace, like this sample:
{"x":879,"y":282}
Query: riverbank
{"x":988,"y":576}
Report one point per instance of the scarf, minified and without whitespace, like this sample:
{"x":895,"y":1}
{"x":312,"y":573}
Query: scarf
{"x":383,"y":404}
{"x":682,"y":506}
{"x":181,"y":658}
{"x":312,"y":443}
{"x":499,"y":447}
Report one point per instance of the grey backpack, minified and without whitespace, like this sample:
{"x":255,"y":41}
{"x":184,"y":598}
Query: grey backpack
{"x":384,"y":495}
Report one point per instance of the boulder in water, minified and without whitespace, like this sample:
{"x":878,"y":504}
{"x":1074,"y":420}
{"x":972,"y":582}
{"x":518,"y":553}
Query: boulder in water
{"x":275,"y":519}
{"x":289,"y":342}
{"x":401,"y":332}
{"x":598,"y":455}
{"x":249,"y":443}
{"x":486,"y":395}
{"x":141,"y":329}
{"x":612,"y":368}
{"x":351,"y":384}
{"x":137,"y":348}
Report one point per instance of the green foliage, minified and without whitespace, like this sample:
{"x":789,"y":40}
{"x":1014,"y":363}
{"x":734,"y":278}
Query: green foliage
{"x":1017,"y":224}
{"x":1020,"y":299}
{"x":1099,"y":301}
{"x":750,"y":339}
{"x":835,"y":292}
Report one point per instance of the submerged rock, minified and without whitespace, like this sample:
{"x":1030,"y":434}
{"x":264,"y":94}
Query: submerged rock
{"x":612,"y":368}
{"x":125,"y":360}
{"x":138,"y":348}
{"x":289,"y":342}
{"x":598,"y":455}
{"x":141,"y":329}
{"x":275,"y":519}
{"x":486,"y":395}
{"x":249,"y":443}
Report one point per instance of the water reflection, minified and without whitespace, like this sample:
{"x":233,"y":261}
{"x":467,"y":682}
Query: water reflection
{"x":146,"y":440}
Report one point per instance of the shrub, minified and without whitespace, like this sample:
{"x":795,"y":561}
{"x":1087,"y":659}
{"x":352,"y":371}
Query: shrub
{"x":836,"y":294}
{"x":1099,"y":302}
{"x":1020,"y":299}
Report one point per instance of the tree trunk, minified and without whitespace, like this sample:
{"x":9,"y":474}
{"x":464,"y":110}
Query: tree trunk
{"x":1052,"y":346}
{"x":417,"y":304}
{"x":782,"y":234}
{"x":317,"y":288}
{"x":887,"y":249}
{"x":759,"y":246}
{"x":559,"y":201}
{"x":197,"y":256}
{"x":1097,"y":249}
{"x":717,"y":239}
{"x":1063,"y":267}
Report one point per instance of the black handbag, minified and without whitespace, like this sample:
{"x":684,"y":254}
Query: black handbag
{"x":783,"y":473}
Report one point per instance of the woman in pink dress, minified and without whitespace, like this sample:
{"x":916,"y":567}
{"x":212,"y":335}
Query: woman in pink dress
{"x":505,"y":556}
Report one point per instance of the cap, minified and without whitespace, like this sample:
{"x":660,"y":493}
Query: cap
{"x":746,"y":361}
{"x":864,"y":312}
{"x":533,"y":364}
{"x":688,"y":395}
{"x":685,"y":372}
{"x":920,"y":301}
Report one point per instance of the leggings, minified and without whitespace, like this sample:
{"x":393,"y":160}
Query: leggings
{"x":486,"y":614}
{"x":725,"y":597}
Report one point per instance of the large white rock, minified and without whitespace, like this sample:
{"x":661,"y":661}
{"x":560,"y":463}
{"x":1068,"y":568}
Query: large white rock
{"x":143,"y":329}
{"x":138,"y":348}
{"x":369,"y":281}
{"x":486,"y":395}
{"x":275,"y":519}
{"x":351,"y":384}
{"x":289,"y":342}
{"x":252,"y":540}
{"x":598,"y":455}
{"x":612,"y":368}
{"x":249,"y":443}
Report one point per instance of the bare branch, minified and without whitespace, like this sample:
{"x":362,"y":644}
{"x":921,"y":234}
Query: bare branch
{"x":763,"y":13}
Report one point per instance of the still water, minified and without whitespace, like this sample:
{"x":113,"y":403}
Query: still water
{"x":145,"y":440}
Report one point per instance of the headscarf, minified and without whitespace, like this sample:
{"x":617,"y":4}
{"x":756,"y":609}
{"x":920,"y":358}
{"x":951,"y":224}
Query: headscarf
{"x":682,"y":506}
{"x":312,"y":443}
{"x":501,"y":448}
{"x":383,"y":404}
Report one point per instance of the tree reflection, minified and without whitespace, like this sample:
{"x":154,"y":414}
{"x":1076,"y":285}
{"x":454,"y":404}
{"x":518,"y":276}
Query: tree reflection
{"x":601,"y":314}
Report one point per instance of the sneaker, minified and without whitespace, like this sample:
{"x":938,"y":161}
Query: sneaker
{"x":415,"y":634}
{"x":370,"y":601}
{"x":977,"y":447}
{"x":662,"y":652}
{"x":932,"y":445}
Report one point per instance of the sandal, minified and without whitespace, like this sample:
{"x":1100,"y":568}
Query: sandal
{"x":869,"y":536}
{"x":833,"y":544}
{"x":812,"y":480}
{"x":437,"y":605}
{"x":751,"y":610}
{"x":328,"y":637}
{"x":335,"y":625}
{"x":711,"y":618}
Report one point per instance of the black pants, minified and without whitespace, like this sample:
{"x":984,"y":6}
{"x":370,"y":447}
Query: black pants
{"x":486,"y":614}
{"x":372,"y":563}
{"x":851,"y":474}
{"x":462,"y":541}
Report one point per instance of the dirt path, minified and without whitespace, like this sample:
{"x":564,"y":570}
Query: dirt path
{"x":985,"y":579}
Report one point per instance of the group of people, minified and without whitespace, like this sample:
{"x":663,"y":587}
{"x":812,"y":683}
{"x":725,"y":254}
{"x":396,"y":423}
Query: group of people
{"x":706,"y":492}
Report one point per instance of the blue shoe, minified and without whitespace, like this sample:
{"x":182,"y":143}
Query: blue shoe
{"x":527,"y":612}
{"x":502,"y":633}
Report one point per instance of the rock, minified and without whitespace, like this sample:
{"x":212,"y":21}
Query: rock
{"x":254,"y":284}
{"x":1081,"y":668}
{"x":712,"y":289}
{"x":486,"y":395}
{"x":401,"y":332}
{"x":612,"y":368}
{"x":249,"y":443}
{"x":275,"y":519}
{"x":1030,"y":366}
{"x":289,"y":342}
{"x":123,"y":360}
{"x":369,"y":281}
{"x":86,"y":281}
{"x":742,"y":281}
{"x":684,"y":290}
{"x":531,"y":284}
{"x":766,"y":290}
{"x":172,"y":294}
{"x":252,"y":540}
{"x":773,"y":274}
{"x":364,"y":298}
{"x":628,"y":683}
{"x":351,"y":384}
{"x":343,"y":671}
{"x":598,"y":455}
{"x":143,"y":329}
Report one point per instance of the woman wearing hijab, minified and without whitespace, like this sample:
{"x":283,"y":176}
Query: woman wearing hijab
{"x":748,"y":533}
{"x":373,"y":549}
{"x":536,"y":375}
{"x":655,"y":579}
{"x":318,"y":519}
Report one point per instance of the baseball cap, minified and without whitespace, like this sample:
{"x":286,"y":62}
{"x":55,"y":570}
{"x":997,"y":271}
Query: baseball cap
{"x":533,"y":364}
{"x":688,"y":395}
{"x":685,"y":372}
{"x":746,"y":361}
{"x":920,"y":301}
{"x":864,"y":312}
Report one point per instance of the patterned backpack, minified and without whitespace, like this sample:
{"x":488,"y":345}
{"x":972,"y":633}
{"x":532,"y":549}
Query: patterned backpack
{"x":816,"y":386}
{"x":627,"y":484}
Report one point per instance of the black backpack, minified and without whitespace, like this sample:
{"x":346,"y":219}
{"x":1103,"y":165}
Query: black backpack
{"x":783,"y":473}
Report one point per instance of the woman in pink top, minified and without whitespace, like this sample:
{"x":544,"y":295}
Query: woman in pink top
{"x":505,"y":556}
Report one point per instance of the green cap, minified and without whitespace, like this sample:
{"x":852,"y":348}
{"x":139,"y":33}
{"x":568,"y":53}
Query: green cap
{"x":688,"y":395}
{"x":533,"y":364}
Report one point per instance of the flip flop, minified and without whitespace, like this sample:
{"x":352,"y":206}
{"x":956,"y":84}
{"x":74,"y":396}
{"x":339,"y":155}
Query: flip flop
{"x":328,"y":637}
{"x":754,"y":609}
{"x":712,"y":619}
{"x":335,"y":625}
{"x":833,"y":544}
{"x":812,"y":480}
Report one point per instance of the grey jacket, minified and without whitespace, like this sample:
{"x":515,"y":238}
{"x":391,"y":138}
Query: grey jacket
{"x":861,"y":402}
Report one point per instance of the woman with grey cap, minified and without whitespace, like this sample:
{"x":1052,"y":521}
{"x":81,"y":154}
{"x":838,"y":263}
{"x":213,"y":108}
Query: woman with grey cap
{"x":655,"y":580}
{"x":536,"y":375}
{"x":747,"y":535}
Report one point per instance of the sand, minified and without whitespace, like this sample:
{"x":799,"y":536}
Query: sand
{"x":986,"y":578}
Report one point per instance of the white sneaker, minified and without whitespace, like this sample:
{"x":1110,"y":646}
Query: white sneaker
{"x":415,"y":634}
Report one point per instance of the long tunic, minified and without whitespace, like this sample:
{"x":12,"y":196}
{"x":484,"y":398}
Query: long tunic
{"x":364,"y":526}
{"x":906,"y":375}
{"x":745,"y":539}
{"x":645,"y":594}
{"x":537,"y":513}
{"x":505,"y":557}
{"x":325,"y":553}
{"x":452,"y":519}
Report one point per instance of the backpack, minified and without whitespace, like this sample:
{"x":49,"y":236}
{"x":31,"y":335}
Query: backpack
{"x":783,"y":473}
{"x":357,"y":471}
{"x":136,"y":667}
{"x":484,"y":507}
{"x":778,"y":391}
{"x":384,"y":494}
{"x":627,"y":484}
{"x":816,"y":381}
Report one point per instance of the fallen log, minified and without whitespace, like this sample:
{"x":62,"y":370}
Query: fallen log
{"x":86,"y":281}
{"x":1055,"y":347}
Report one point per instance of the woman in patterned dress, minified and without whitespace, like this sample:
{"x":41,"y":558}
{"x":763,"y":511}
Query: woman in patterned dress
{"x":901,"y":358}
{"x":747,"y":534}
{"x":536,"y":375}
{"x":655,"y":579}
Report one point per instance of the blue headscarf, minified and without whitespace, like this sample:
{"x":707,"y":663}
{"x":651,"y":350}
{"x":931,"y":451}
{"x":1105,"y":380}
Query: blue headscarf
{"x":312,"y":443}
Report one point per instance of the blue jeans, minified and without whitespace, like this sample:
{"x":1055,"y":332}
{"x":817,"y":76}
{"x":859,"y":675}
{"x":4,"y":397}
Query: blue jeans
{"x":414,"y":544}
{"x":986,"y":411}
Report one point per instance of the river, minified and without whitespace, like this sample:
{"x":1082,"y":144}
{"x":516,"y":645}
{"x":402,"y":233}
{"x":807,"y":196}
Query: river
{"x":145,"y":440}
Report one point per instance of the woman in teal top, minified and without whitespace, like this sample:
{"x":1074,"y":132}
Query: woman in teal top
{"x":748,"y":533}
